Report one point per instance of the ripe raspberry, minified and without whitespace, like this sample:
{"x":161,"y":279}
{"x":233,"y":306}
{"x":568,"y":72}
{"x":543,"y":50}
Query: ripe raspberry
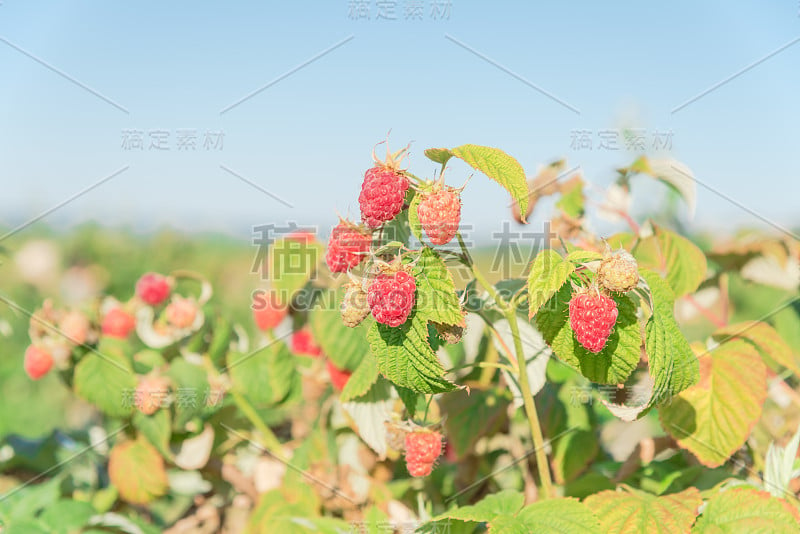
{"x":118,"y":323}
{"x":354,"y":308}
{"x":153,"y":288}
{"x":303,"y":343}
{"x":618,"y":272}
{"x":592,"y":316}
{"x":382,"y":195}
{"x":423,"y":447}
{"x":181,"y":312}
{"x":339,"y":377}
{"x":349,"y":245}
{"x":38,"y":362}
{"x":150,"y":394}
{"x":440,"y":213}
{"x":391,"y":297}
{"x":267,"y":311}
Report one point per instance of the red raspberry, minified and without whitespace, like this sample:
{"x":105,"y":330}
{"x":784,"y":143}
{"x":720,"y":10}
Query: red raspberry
{"x":153,"y":288}
{"x":391,"y":297}
{"x":118,"y":323}
{"x":423,"y":447}
{"x":349,"y":245}
{"x":440,"y":213}
{"x":38,"y":362}
{"x":181,"y":312}
{"x":592,"y":316}
{"x":267,"y":311}
{"x":382,"y":195}
{"x":339,"y":377}
{"x":303,"y":343}
{"x":150,"y":394}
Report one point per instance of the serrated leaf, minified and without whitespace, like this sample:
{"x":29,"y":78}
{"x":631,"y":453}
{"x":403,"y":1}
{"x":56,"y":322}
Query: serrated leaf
{"x":549,"y":272}
{"x":746,"y":510}
{"x":619,"y":357}
{"x":504,"y":502}
{"x":369,"y":412}
{"x":264,"y":376}
{"x":67,"y":516}
{"x":345,"y":346}
{"x":413,"y":217}
{"x":498,"y":166}
{"x":405,"y":357}
{"x":713,"y":418}
{"x":472,"y":415}
{"x":137,"y":471}
{"x":637,"y":511}
{"x":674,"y":257}
{"x":106,"y":378}
{"x":192,"y":392}
{"x":584,"y":256}
{"x":155,"y":428}
{"x":398,"y":230}
{"x":557,"y":516}
{"x":362,"y":379}
{"x":765,"y":338}
{"x":436,"y":298}
{"x":439,"y":155}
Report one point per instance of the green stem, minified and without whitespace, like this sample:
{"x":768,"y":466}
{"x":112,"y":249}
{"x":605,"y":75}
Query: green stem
{"x":271,"y":442}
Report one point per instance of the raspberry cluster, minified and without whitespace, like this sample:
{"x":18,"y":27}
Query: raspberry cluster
{"x":423,"y":448}
{"x":440,"y":214}
{"x":592,"y":316}
{"x":391,"y":297}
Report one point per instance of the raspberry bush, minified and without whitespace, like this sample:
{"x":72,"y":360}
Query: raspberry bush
{"x":381,"y":378}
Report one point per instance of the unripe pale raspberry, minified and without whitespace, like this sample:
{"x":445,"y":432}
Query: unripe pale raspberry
{"x":391,"y":297}
{"x":354,"y":308}
{"x":592,"y":316}
{"x":75,"y":327}
{"x":383,"y":193}
{"x":339,"y":377}
{"x":303,"y":343}
{"x":347,"y":247}
{"x":118,"y":323}
{"x":267,"y":311}
{"x":181,"y":312}
{"x":153,"y":288}
{"x":150,"y":394}
{"x":619,"y":272}
{"x":38,"y":362}
{"x":423,"y":448}
{"x":440,"y":214}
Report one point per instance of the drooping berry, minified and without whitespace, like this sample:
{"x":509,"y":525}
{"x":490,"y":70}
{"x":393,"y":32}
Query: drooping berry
{"x":303,"y":343}
{"x":440,"y":213}
{"x":339,"y":377}
{"x":349,"y":244}
{"x":592,"y":316}
{"x":118,"y":323}
{"x":354,"y":308}
{"x":423,"y":448}
{"x":181,"y":312}
{"x":382,"y":195}
{"x":38,"y":362}
{"x":153,"y":288}
{"x":267,"y":311}
{"x":150,"y":394}
{"x":391,"y":297}
{"x":618,"y":272}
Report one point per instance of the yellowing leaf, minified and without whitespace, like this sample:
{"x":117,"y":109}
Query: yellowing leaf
{"x":137,"y":471}
{"x":713,"y":418}
{"x":765,"y":338}
{"x":636,"y":511}
{"x":746,"y":510}
{"x":674,"y":257}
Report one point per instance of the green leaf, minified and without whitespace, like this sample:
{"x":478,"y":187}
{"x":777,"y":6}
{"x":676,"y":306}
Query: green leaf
{"x":220,"y":343}
{"x":746,"y":510}
{"x":66,"y":516}
{"x":504,"y":502}
{"x":713,"y":418}
{"x":549,"y":272}
{"x":674,"y":257}
{"x":619,"y":357}
{"x":674,"y":174}
{"x":498,"y":166}
{"x":106,"y":378}
{"x":556,"y":516}
{"x":137,"y":471}
{"x":571,"y":201}
{"x":637,"y":511}
{"x":439,"y":155}
{"x":398,"y":229}
{"x":192,"y":391}
{"x":156,"y":428}
{"x":362,"y":379}
{"x":291,"y":262}
{"x":765,"y":338}
{"x":436,"y":298}
{"x":579,"y":256}
{"x":276,"y":512}
{"x":405,"y":357}
{"x":413,"y":217}
{"x":345,"y":346}
{"x":473,"y":415}
{"x":410,"y":399}
{"x":264,"y":376}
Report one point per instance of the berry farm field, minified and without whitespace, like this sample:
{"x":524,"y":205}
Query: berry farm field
{"x":385,"y":373}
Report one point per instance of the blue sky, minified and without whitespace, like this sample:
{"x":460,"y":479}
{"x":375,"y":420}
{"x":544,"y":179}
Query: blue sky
{"x":307,"y":138}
